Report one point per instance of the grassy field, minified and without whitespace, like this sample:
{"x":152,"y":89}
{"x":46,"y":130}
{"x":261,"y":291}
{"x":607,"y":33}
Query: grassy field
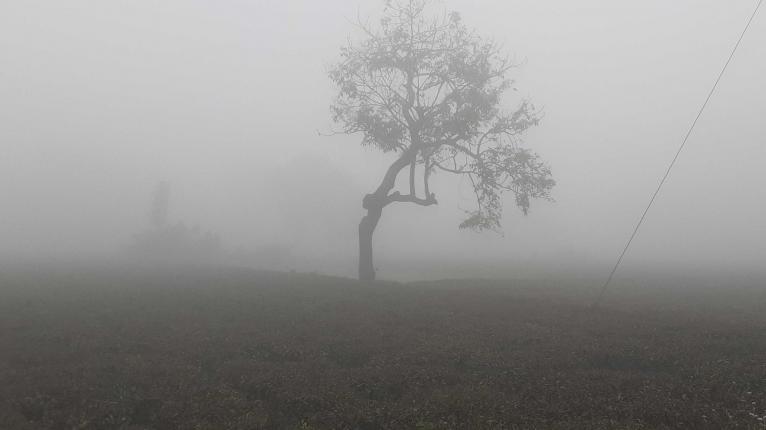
{"x":237,"y":349}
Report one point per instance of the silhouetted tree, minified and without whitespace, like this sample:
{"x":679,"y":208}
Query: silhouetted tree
{"x":165,"y":241}
{"x":429,"y":90}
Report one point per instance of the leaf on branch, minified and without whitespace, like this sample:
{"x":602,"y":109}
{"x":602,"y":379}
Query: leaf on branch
{"x":478,"y":221}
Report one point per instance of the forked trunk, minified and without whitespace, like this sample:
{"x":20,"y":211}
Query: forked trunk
{"x":366,"y":230}
{"x":374,"y":203}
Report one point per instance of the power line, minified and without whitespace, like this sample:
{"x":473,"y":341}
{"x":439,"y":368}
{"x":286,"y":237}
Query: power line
{"x":675,"y":158}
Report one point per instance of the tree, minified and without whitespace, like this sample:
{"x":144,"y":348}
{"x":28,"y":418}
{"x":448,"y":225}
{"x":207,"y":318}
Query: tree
{"x":430,"y":91}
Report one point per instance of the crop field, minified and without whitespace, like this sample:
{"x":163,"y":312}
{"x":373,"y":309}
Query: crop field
{"x":239,"y":349}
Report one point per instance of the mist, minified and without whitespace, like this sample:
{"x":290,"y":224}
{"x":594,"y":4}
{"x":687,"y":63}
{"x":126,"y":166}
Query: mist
{"x":229,"y":104}
{"x":347,"y":214}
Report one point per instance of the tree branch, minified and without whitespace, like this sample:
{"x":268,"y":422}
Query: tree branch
{"x":426,"y":174}
{"x":400,"y":198}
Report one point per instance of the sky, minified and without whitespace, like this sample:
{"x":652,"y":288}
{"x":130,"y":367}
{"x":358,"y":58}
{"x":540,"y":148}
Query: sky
{"x":229,"y":103}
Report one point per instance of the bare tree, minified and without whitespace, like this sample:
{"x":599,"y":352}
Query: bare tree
{"x":429,"y":90}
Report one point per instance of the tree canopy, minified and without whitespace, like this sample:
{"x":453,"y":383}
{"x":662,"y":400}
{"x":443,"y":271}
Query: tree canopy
{"x":431,"y":90}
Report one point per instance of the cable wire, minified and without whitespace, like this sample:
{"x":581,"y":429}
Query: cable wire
{"x":675,"y":158}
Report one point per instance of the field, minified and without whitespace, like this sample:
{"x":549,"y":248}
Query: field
{"x":239,"y":349}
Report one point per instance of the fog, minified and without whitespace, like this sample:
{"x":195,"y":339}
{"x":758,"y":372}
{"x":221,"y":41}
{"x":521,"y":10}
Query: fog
{"x":229,"y":103}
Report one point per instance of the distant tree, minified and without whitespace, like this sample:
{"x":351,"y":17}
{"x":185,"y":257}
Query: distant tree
{"x":429,"y":90}
{"x":165,"y":241}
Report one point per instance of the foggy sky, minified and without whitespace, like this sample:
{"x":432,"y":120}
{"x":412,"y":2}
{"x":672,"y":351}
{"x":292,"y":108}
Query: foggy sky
{"x":101,"y":100}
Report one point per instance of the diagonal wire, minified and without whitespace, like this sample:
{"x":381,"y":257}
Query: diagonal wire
{"x":675,"y":158}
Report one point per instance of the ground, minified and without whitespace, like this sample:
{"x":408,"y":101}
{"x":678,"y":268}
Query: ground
{"x":238,"y":349}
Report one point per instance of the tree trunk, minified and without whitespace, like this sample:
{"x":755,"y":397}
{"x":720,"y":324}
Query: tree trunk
{"x":366,"y":229}
{"x":374,"y":203}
